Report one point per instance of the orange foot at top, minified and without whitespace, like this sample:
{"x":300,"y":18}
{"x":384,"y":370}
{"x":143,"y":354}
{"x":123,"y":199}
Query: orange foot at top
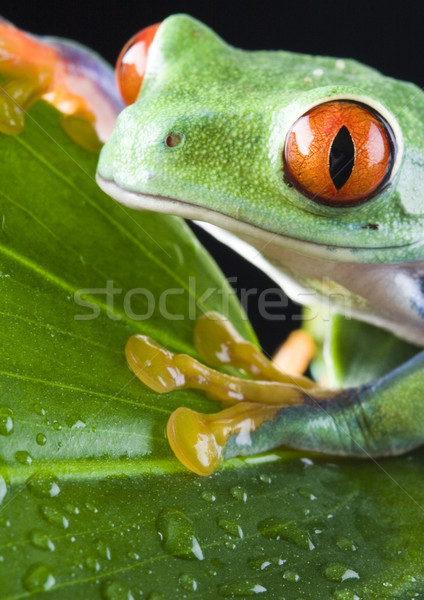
{"x":31,"y":70}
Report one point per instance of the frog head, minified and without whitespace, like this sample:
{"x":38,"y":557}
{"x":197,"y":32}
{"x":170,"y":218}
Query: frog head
{"x":207,"y":139}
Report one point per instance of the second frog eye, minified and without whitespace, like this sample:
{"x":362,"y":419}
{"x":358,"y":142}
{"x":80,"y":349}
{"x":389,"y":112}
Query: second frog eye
{"x":339,"y":153}
{"x":131,"y":63}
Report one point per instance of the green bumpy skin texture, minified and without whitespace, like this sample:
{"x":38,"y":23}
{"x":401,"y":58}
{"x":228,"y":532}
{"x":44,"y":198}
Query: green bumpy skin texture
{"x":233,"y":110}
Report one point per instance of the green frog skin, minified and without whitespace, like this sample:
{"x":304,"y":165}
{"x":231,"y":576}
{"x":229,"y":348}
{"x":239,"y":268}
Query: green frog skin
{"x":240,"y":140}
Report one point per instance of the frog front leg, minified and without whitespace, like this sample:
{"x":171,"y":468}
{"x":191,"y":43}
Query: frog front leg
{"x":270,"y":409}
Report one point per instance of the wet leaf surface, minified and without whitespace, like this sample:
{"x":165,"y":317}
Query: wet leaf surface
{"x":93,"y":503}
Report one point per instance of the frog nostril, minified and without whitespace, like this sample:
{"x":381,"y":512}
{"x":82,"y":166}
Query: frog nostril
{"x":341,"y":157}
{"x":172,"y":140}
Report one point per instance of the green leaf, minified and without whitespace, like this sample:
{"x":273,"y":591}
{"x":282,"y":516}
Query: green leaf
{"x":361,"y":352}
{"x":93,"y":503}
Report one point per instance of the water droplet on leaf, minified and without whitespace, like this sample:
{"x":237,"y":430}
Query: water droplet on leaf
{"x":208,"y":496}
{"x":92,"y":563}
{"x":291,"y":576}
{"x":115,"y":590}
{"x":242,"y":588}
{"x":41,"y":439}
{"x":345,"y":595}
{"x":38,"y":578}
{"x":259,"y":564}
{"x":39,"y":410}
{"x":345,"y":543}
{"x":23,"y":457}
{"x":103,"y":550}
{"x":230,"y":526}
{"x":43,"y":485}
{"x":275,"y":529}
{"x":71,"y":509}
{"x":177,"y":534}
{"x":265,"y":478}
{"x":338,"y":573}
{"x":187,"y":582}
{"x":3,"y":488}
{"x":54,"y":517}
{"x":41,"y":540}
{"x":6,"y":420}
{"x":306,"y":494}
{"x":239,"y":493}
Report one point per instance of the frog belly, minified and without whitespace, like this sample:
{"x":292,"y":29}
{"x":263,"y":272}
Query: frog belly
{"x":390,"y":296}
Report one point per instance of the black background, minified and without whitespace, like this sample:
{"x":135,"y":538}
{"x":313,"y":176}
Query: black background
{"x":385,"y":35}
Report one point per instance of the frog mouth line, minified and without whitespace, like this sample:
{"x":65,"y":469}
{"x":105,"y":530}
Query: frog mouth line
{"x":252,"y":234}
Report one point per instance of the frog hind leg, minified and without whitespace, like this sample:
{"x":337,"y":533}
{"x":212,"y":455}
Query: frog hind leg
{"x":378,"y":412}
{"x":384,"y":417}
{"x":381,"y":418}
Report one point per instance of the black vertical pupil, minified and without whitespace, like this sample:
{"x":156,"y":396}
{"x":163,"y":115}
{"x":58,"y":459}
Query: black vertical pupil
{"x":342,"y":157}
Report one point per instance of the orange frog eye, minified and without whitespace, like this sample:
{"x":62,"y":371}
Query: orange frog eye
{"x":131,"y":63}
{"x":339,"y":153}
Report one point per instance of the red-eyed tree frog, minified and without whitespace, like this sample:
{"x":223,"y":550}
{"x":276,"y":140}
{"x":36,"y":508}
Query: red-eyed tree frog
{"x":317,"y":163}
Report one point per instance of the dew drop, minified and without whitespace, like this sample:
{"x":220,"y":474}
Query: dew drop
{"x":41,"y":540}
{"x":345,"y":595}
{"x":115,"y":590}
{"x":3,"y":488}
{"x":39,"y":410}
{"x":230,"y":526}
{"x":41,"y":439}
{"x":259,"y":564}
{"x":230,"y":545}
{"x":337,"y":572}
{"x":345,"y":543}
{"x":265,"y":478}
{"x":350,"y":574}
{"x":38,"y":578}
{"x":187,"y":582}
{"x":241,"y":588}
{"x":275,"y":529}
{"x":6,"y":420}
{"x":54,"y":517}
{"x":177,"y":534}
{"x":71,"y":509}
{"x":103,"y":550}
{"x":306,"y":494}
{"x":91,"y":507}
{"x":239,"y":493}
{"x":23,"y":457}
{"x":92,"y":563}
{"x":291,"y":576}
{"x":42,"y":485}
{"x":208,"y":496}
